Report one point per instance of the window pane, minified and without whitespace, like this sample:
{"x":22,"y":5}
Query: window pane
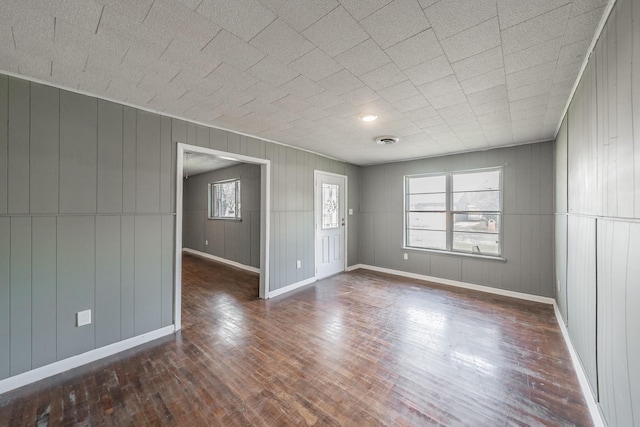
{"x":488,"y":244}
{"x":238,"y":199}
{"x":481,"y":222}
{"x":330,"y":206}
{"x":428,"y":202}
{"x":428,"y":220}
{"x":427,"y":184}
{"x":227,"y":201}
{"x":427,"y":239}
{"x":476,"y":181}
{"x":477,"y":201}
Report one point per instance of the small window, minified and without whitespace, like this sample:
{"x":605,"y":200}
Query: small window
{"x":457,"y":211}
{"x":224,"y":199}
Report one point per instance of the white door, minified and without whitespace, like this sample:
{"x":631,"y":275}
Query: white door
{"x":329,"y":209}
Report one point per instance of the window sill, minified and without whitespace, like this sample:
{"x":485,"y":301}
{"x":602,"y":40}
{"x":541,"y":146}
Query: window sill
{"x":226,"y":219}
{"x":459,"y":254}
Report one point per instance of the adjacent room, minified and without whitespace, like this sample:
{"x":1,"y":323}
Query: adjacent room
{"x":319,"y":212}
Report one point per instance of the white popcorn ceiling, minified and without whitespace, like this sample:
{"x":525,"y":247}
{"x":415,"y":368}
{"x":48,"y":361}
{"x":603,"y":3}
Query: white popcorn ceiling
{"x":444,"y":76}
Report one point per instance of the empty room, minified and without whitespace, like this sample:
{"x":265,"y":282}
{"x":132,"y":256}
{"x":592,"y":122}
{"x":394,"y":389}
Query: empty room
{"x":319,"y":212}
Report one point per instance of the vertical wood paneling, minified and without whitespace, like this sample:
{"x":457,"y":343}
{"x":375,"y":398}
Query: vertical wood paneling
{"x":284,"y":239}
{"x":635,"y":90}
{"x":255,"y":238}
{"x":107,"y":298}
{"x":178,"y":135}
{"x":76,"y":283}
{"x":524,"y":180}
{"x":45,"y":122}
{"x":110,"y":132}
{"x":613,"y":281}
{"x":78,"y":153}
{"x":148,"y":273}
{"x":20,"y":269}
{"x":5,"y":297}
{"x":192,"y":134}
{"x":129,"y":160}
{"x":148,"y":163}
{"x":168,"y":230}
{"x":43,"y":262}
{"x":561,"y":169}
{"x":512,"y":251}
{"x":233,"y":142}
{"x":4,"y":118}
{"x":632,"y":303}
{"x":166,"y":146}
{"x":623,"y":117}
{"x":561,"y":263}
{"x":202,"y":136}
{"x":292,"y":233}
{"x":18,"y":147}
{"x":291,"y":177}
{"x":581,"y":292}
{"x":218,"y":139}
{"x":582,"y":147}
{"x":127,"y":276}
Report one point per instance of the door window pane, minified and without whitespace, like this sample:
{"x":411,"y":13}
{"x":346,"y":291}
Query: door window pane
{"x":330,"y":206}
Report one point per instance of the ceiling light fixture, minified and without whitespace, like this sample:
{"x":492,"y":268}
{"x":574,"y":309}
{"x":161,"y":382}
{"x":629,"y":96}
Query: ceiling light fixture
{"x":386,"y":140}
{"x":368,"y":117}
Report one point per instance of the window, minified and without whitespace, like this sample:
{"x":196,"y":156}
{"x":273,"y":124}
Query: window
{"x":224,"y":199}
{"x":456,"y":211}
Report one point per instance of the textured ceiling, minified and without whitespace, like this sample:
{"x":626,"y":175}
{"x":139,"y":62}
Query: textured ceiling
{"x":445,"y":76}
{"x":197,"y":163}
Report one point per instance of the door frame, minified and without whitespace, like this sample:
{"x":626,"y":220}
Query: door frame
{"x":265,"y":219}
{"x":315,"y":219}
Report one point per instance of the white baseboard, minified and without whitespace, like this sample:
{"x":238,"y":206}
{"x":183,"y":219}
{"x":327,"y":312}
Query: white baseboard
{"x":55,"y":368}
{"x":458,"y":284}
{"x":222,"y":260}
{"x":291,"y":287}
{"x":594,"y":409}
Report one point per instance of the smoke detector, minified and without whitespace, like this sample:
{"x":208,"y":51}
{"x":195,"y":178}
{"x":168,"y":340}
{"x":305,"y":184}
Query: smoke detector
{"x":386,"y":140}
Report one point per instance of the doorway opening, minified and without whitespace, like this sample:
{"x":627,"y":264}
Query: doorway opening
{"x":221,"y":158}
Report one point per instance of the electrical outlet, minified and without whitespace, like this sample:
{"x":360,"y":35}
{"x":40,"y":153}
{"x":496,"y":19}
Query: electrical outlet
{"x":206,"y":243}
{"x":406,"y":256}
{"x":83,"y":318}
{"x":298,"y":264}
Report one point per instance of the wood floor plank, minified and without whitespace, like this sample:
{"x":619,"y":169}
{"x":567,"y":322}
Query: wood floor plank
{"x":360,"y":348}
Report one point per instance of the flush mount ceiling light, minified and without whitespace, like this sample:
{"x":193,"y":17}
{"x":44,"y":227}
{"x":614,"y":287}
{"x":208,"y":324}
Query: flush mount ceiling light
{"x":368,"y":117}
{"x":386,"y":140}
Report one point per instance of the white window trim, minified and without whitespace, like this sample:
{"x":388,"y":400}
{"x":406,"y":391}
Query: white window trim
{"x":210,"y":208}
{"x":449,"y":215}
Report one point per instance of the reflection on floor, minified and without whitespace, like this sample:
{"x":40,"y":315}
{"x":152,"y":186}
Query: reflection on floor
{"x":360,"y":348}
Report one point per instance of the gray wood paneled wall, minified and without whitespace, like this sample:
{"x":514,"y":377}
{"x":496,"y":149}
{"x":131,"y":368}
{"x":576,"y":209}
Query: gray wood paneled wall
{"x":598,"y":217}
{"x":528,"y":220}
{"x":87,"y":218}
{"x":237,"y":241}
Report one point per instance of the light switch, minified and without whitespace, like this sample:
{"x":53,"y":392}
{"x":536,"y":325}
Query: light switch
{"x":350,"y":211}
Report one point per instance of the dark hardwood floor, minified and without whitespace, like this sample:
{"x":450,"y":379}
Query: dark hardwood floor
{"x":360,"y":348}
